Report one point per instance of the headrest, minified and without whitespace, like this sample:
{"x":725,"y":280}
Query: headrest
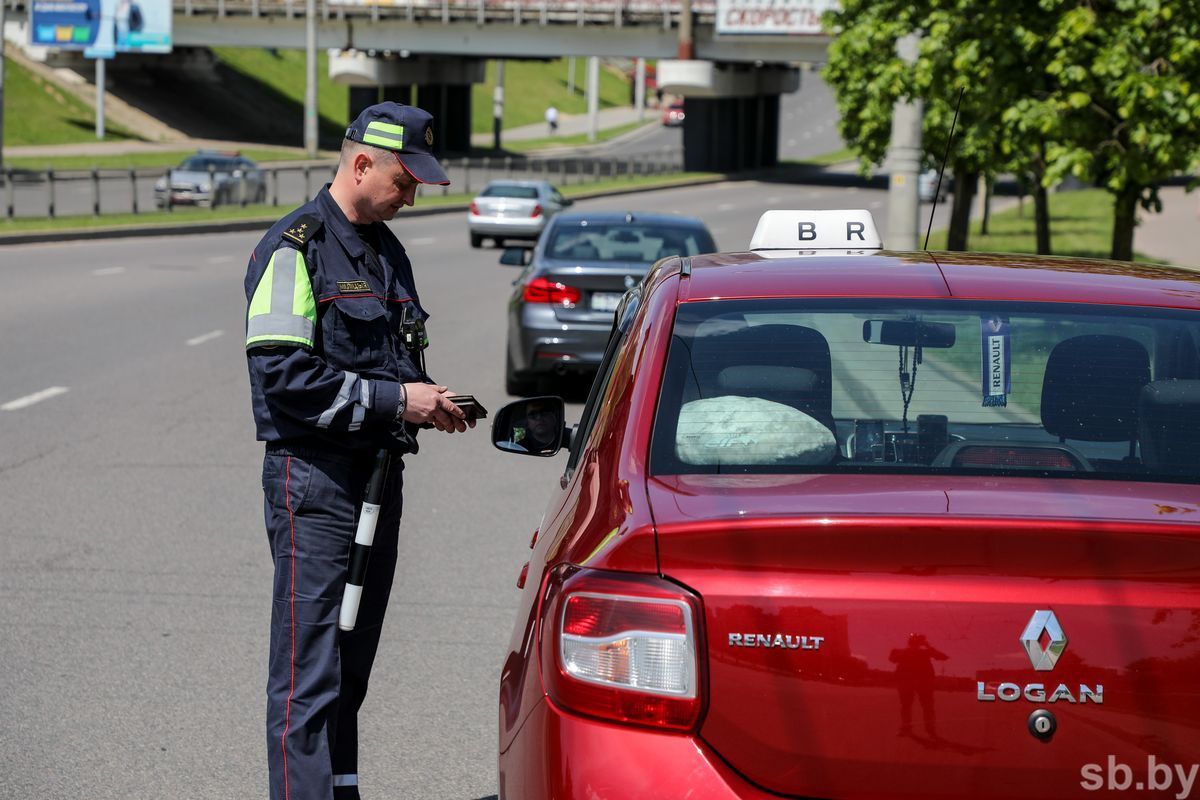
{"x":757,"y":379}
{"x":1169,"y":426}
{"x":1090,"y":389}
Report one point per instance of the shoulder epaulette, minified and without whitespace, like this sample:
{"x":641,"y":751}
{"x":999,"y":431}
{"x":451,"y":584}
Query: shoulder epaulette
{"x":302,"y":229}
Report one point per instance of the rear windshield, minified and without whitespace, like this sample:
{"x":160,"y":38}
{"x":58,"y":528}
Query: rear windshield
{"x":939,"y":386}
{"x":590,"y":241}
{"x":520,"y":192}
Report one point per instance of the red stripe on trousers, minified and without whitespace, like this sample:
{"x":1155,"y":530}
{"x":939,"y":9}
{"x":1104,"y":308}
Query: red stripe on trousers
{"x":287,"y":717}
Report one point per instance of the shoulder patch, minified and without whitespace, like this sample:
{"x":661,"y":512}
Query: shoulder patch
{"x":302,"y":229}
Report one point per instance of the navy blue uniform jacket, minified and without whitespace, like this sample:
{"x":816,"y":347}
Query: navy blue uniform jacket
{"x":323,"y":333}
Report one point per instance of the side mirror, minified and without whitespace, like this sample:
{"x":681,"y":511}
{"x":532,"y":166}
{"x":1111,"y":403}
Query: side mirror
{"x":908,"y":333}
{"x":516,"y":256}
{"x":535,"y":426}
{"x":568,"y":201}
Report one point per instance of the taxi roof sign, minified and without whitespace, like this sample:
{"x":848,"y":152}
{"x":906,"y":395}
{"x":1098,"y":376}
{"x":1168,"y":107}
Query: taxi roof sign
{"x":843,"y":229}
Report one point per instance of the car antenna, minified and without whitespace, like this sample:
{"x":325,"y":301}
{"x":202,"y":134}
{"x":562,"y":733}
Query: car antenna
{"x":938,"y":191}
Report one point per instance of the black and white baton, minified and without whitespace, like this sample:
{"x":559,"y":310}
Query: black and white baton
{"x":360,"y":551}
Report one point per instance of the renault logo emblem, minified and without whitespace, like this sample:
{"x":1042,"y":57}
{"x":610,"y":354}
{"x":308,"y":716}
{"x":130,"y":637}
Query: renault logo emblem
{"x":1045,"y":657}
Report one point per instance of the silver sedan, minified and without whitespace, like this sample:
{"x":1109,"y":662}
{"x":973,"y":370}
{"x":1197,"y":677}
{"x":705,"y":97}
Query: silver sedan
{"x":513,"y":210}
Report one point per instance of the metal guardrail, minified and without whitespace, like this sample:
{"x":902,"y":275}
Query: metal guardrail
{"x":54,"y":193}
{"x":543,"y":12}
{"x":480,"y":11}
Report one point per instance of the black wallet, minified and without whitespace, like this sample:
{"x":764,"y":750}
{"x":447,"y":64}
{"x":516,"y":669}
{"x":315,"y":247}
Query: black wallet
{"x":470,"y":406}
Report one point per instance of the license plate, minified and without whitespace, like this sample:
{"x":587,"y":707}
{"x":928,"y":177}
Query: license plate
{"x":605,"y":301}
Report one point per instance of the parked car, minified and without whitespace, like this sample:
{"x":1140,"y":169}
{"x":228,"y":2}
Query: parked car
{"x":513,"y":210}
{"x":672,"y":115}
{"x":849,"y":524}
{"x":562,"y":306}
{"x":210,"y":177}
{"x":927,"y":186}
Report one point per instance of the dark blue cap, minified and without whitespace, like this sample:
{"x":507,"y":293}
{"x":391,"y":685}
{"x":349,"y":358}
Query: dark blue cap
{"x":405,"y":130}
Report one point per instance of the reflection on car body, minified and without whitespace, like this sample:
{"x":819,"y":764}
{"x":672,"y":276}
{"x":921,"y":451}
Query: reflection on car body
{"x":512,"y":209}
{"x":211,"y":178}
{"x":561,"y":308}
{"x":974,"y":479}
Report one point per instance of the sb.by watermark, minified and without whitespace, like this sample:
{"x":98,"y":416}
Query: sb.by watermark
{"x":1159,"y":776}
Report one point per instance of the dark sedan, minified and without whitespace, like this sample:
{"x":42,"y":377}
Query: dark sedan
{"x":562,"y":307}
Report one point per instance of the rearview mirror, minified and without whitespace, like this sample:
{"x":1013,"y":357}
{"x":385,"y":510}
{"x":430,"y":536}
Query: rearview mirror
{"x":516,"y":256}
{"x":535,"y":426}
{"x":908,"y":333}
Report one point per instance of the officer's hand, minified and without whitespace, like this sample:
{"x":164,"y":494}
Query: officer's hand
{"x":430,"y":403}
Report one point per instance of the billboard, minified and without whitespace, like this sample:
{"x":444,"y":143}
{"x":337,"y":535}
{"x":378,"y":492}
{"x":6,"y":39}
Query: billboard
{"x":775,"y":17}
{"x":102,"y":28}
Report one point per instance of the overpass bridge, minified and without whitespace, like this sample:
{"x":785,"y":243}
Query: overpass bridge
{"x":383,"y":50}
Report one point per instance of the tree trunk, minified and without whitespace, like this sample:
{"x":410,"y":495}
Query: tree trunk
{"x":1124,"y":221}
{"x":986,"y":205}
{"x":1041,"y":213}
{"x":960,"y":212}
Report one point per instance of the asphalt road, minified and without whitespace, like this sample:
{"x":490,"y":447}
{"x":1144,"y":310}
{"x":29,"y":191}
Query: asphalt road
{"x":134,"y":571}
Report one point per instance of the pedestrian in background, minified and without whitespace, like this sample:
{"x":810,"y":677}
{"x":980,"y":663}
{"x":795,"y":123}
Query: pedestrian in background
{"x":552,"y":119}
{"x":334,"y":341}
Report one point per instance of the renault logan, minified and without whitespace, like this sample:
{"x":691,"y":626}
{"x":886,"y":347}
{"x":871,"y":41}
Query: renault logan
{"x":838,"y":522}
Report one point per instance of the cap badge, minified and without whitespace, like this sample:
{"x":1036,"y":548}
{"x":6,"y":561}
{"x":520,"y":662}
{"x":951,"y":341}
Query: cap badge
{"x":429,"y":136}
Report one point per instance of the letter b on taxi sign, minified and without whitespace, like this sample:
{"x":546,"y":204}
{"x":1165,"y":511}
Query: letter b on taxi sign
{"x":808,"y":231}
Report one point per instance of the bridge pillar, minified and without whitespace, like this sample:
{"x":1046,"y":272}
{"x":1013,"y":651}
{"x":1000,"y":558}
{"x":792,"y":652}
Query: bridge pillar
{"x":731,"y":112}
{"x":450,"y":104}
{"x":360,"y":98}
{"x":443,"y":88}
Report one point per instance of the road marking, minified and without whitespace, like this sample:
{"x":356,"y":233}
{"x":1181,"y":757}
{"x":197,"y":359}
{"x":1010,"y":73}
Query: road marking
{"x":725,"y":207}
{"x":36,"y":397}
{"x":422,"y":240}
{"x":108,"y":271}
{"x":773,"y":200}
{"x":876,"y":203}
{"x":205,"y":337}
{"x":220,"y":259}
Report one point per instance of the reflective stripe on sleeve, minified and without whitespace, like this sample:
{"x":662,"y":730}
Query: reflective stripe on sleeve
{"x":283,"y":309}
{"x":360,"y":408}
{"x":339,"y":402}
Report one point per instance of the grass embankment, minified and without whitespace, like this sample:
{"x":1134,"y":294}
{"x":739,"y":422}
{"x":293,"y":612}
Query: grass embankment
{"x":551,"y":142}
{"x":37,"y":111}
{"x":1081,"y":225}
{"x":268,"y":213}
{"x":531,"y":86}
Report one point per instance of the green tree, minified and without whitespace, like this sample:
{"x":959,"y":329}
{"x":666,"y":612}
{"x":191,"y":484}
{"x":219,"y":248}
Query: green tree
{"x":1105,"y":90}
{"x":987,"y":51}
{"x":1123,"y":107}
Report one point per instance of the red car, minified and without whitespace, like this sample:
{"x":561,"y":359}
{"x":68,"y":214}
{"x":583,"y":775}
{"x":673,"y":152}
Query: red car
{"x":672,"y":115}
{"x":846,"y":523}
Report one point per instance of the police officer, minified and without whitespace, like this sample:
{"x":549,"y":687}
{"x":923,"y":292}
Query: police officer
{"x":335,"y":340}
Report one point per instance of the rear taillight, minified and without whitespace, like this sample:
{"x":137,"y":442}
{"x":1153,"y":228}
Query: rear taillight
{"x":622,"y":647}
{"x":541,"y":290}
{"x":474,"y":208}
{"x":537,"y":210}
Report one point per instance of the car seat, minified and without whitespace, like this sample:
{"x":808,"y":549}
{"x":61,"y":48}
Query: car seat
{"x":1169,"y":426}
{"x":1090,"y":389}
{"x":787,"y":364}
{"x":584,"y":252}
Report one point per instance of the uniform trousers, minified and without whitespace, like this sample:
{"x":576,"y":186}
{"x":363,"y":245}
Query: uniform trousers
{"x":318,"y":674}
